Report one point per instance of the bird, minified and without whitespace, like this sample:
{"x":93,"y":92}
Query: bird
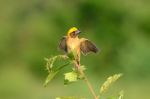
{"x":72,"y":45}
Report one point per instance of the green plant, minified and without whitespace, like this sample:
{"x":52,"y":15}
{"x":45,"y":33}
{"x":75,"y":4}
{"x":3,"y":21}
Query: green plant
{"x":76,"y":74}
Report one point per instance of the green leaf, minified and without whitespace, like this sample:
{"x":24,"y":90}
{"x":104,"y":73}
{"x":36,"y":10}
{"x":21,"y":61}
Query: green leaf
{"x":81,"y":68}
{"x":50,"y":61}
{"x":71,"y":56}
{"x":71,"y":77}
{"x":110,"y":80}
{"x":121,"y":95}
{"x":50,"y":77}
{"x":53,"y":73}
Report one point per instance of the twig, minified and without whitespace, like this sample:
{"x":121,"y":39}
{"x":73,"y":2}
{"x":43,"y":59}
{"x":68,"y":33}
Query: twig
{"x":86,"y":80}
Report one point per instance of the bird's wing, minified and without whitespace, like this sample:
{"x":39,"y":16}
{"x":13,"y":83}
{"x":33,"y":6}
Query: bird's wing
{"x":62,"y":44}
{"x":87,"y":46}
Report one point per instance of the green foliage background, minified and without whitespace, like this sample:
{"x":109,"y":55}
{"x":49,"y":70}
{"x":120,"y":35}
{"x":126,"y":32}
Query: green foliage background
{"x":31,"y":29}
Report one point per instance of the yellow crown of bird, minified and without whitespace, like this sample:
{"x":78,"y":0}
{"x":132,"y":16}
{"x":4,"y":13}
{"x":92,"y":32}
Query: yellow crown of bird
{"x":72,"y":30}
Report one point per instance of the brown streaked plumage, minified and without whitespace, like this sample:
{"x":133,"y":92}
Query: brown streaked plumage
{"x":71,"y":43}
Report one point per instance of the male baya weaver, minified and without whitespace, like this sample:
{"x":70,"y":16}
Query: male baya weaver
{"x":71,"y":44}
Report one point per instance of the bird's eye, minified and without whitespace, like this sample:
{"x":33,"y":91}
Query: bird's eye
{"x":73,"y":34}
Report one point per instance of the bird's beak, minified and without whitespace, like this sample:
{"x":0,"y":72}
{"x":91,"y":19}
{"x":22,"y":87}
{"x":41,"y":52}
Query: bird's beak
{"x":78,"y":32}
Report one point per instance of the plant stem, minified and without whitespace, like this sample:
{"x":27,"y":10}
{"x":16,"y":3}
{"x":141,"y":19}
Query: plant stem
{"x":87,"y":81}
{"x":90,"y":87}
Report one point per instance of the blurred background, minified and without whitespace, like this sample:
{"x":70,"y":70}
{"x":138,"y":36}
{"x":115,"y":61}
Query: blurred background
{"x":31,"y":29}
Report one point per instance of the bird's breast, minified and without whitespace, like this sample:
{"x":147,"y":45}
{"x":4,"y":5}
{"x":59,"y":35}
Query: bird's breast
{"x":73,"y":44}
